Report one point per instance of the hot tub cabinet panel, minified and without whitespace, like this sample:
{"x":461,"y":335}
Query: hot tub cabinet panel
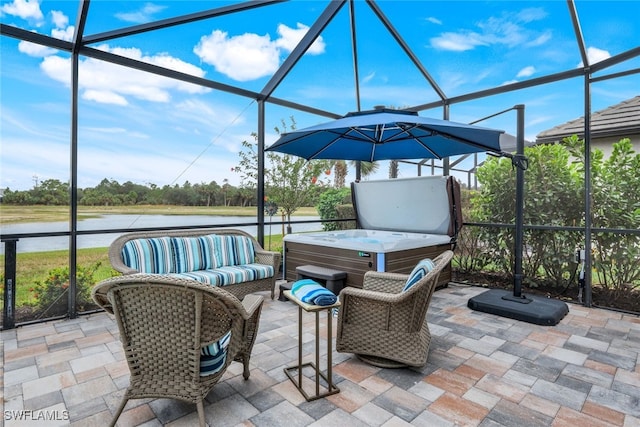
{"x":356,"y":262}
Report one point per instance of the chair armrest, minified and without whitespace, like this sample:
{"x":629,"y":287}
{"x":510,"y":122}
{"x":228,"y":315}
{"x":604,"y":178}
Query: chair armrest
{"x":115,"y":258}
{"x":251,"y":303}
{"x":268,"y":258}
{"x":384,"y":282}
{"x":99,"y":295}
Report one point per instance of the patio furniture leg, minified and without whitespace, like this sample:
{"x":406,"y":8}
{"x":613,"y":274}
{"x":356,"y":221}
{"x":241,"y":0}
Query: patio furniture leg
{"x":245,"y":363}
{"x":200,"y":407}
{"x":119,"y":411}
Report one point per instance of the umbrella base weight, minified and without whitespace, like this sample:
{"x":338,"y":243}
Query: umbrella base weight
{"x":521,"y":299}
{"x":539,"y":310}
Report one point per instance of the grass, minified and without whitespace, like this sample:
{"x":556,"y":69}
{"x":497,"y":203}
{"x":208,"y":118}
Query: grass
{"x":34,"y":267}
{"x":10,"y":214}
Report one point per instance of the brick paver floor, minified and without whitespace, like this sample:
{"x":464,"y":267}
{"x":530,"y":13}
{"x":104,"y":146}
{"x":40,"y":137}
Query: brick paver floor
{"x":482,"y":370}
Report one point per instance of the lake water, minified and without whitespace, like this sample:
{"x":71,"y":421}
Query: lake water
{"x":105,"y":222}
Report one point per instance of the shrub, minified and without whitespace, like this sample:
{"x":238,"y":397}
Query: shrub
{"x":327,"y":204}
{"x":52,"y":293}
{"x":552,"y":197}
{"x":615,"y":204}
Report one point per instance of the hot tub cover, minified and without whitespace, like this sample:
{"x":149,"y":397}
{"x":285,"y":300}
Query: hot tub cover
{"x":428,"y":205}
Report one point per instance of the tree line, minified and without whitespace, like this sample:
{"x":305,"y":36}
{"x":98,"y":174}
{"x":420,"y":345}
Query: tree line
{"x":112,"y":193}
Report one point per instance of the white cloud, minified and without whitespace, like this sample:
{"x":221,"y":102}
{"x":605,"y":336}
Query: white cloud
{"x":508,"y":30}
{"x":63,"y":33}
{"x":244,"y":57}
{"x":369,"y":77}
{"x":25,"y":9}
{"x":104,"y":97}
{"x":112,"y":84}
{"x":526,"y":71}
{"x":457,"y":42}
{"x":531,"y":14}
{"x":251,"y":56}
{"x":60,"y":20}
{"x":434,"y":20}
{"x":142,"y":15}
{"x":540,"y":40}
{"x":290,"y":37}
{"x":595,"y":55}
{"x":35,"y":50}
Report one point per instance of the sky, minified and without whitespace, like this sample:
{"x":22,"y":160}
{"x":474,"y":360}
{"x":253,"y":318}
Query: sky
{"x":138,"y":127}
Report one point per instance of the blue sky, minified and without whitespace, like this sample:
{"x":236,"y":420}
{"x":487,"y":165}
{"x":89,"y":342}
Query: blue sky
{"x":148,"y":129}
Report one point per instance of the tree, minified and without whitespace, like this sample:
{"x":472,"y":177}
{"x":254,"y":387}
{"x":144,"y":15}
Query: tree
{"x":289,"y":180}
{"x":393,"y":169}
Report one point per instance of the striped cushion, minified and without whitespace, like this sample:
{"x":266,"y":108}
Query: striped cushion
{"x":419,"y":271}
{"x":230,"y":275}
{"x":194,"y":253}
{"x":234,"y":250}
{"x":153,"y":255}
{"x":312,"y":292}
{"x":213,"y":356}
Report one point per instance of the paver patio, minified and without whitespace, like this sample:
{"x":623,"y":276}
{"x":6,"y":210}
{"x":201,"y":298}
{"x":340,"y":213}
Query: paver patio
{"x":483,"y":370}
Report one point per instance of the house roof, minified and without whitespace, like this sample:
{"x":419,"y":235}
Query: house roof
{"x":622,"y":120}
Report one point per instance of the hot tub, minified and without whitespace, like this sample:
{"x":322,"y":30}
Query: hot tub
{"x":424,"y":214}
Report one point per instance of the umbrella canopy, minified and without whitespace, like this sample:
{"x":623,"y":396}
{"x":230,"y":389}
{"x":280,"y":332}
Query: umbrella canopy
{"x":385,"y":134}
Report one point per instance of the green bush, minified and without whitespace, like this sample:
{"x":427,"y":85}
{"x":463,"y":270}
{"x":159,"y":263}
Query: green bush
{"x":327,"y":204}
{"x":51,"y":294}
{"x":554,"y":196}
{"x":615,"y":204}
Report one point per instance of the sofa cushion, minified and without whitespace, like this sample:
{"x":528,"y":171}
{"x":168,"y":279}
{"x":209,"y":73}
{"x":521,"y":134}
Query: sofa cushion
{"x":194,"y":253}
{"x":234,"y":250}
{"x":213,"y":356}
{"x":419,"y":271}
{"x":230,"y":275}
{"x":154,"y":255}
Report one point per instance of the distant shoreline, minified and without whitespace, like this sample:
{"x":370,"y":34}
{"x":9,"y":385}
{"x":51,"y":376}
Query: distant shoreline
{"x":16,"y":214}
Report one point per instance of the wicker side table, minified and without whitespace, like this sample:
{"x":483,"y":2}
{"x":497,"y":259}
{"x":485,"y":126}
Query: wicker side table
{"x":330,"y":388}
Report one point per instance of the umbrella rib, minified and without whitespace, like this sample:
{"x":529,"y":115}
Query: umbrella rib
{"x":416,"y":139}
{"x":468,"y":142}
{"x":453,"y":137}
{"x":326,"y":146}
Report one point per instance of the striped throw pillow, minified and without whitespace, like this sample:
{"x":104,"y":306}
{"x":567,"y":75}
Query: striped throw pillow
{"x":234,"y":250}
{"x":419,"y":271}
{"x":194,"y":253}
{"x":214,"y":356}
{"x":153,"y":255}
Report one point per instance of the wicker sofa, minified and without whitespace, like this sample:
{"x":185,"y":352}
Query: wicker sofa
{"x":229,"y":258}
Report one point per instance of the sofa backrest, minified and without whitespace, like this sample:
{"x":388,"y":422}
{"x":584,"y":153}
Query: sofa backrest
{"x":176,"y":254}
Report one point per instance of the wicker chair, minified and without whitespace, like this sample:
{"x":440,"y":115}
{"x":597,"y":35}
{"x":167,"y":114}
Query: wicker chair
{"x":384,"y":326}
{"x":164,"y":322}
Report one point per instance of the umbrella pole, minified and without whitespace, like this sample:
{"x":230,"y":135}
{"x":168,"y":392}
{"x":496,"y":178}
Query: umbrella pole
{"x":519,"y":231}
{"x":520,"y":162}
{"x":533,"y":309}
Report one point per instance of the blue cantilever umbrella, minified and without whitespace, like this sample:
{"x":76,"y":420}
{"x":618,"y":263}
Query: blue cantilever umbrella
{"x":385,"y":134}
